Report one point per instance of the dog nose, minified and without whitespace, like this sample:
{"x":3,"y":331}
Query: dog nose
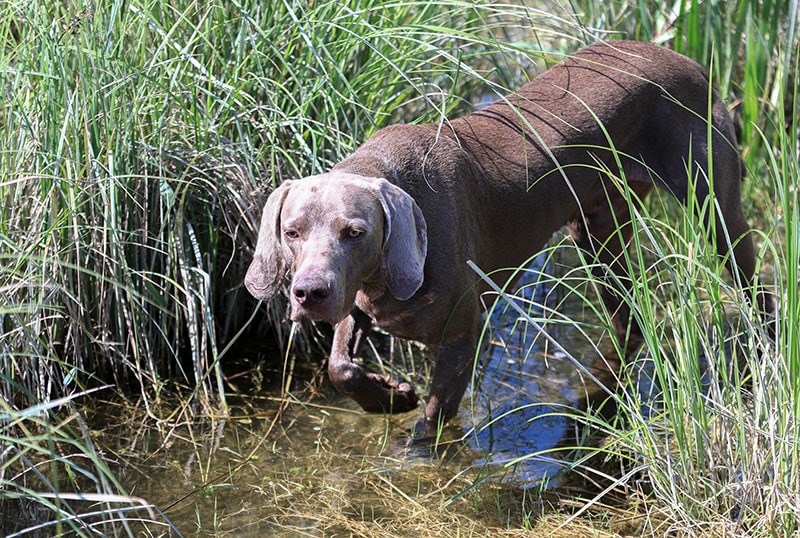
{"x":309,"y":293}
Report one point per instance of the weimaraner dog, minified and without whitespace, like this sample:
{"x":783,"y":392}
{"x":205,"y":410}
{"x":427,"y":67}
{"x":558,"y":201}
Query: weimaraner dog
{"x":385,"y":236}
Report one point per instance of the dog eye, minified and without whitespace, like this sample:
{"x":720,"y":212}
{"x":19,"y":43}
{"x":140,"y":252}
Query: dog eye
{"x":354,"y":233}
{"x":291,"y":234}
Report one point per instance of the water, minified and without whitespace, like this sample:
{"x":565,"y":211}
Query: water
{"x":534,"y":378}
{"x":262,"y":472}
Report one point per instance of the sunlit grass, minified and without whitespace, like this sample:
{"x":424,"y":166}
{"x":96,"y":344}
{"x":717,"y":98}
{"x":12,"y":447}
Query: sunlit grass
{"x":141,"y":137}
{"x":707,"y":411}
{"x":55,"y":482}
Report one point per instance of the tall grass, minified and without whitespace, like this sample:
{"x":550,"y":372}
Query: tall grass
{"x":707,"y":414}
{"x":139,"y":139}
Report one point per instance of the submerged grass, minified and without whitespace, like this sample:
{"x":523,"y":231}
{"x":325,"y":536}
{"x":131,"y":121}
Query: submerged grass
{"x":140,"y":138}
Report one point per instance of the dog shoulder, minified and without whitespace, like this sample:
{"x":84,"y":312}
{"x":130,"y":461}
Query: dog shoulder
{"x":416,"y":158}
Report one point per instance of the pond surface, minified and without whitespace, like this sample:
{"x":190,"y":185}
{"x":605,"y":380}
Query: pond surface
{"x":310,"y":463}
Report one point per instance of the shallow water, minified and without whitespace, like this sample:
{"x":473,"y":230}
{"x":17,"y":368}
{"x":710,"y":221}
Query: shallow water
{"x":535,"y":376}
{"x":261,"y":473}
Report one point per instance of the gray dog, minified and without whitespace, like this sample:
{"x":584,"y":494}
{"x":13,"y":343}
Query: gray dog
{"x":384,"y":237}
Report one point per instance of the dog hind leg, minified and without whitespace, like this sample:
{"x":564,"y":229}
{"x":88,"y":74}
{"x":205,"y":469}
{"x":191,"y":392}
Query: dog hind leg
{"x":602,"y":229}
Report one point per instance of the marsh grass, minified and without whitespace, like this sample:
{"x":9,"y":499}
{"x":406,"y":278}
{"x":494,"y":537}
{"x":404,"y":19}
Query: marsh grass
{"x":140,"y":139}
{"x":706,"y":418}
{"x":139,"y":142}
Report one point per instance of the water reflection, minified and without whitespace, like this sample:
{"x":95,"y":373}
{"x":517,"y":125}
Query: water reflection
{"x":527,"y":390}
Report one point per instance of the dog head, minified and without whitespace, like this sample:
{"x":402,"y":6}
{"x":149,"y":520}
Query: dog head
{"x":333,"y":232}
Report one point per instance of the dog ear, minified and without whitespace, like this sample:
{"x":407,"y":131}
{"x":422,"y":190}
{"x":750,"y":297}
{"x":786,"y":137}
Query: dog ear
{"x":267,"y":270}
{"x":405,"y":242}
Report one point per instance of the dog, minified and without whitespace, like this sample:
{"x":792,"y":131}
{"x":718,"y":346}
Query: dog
{"x":384,"y":237}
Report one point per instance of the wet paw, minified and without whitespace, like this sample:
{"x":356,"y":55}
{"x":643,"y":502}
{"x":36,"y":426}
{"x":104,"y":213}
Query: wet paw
{"x":398,"y":397}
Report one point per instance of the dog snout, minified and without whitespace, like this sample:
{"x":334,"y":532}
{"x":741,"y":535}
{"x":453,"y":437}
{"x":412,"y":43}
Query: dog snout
{"x":315,"y":295}
{"x":311,"y":292}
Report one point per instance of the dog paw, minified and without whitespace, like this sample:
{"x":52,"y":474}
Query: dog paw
{"x":397,"y":397}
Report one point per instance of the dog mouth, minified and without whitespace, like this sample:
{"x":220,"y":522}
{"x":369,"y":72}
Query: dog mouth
{"x":316,"y":312}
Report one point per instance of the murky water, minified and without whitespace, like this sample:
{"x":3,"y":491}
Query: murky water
{"x":261,"y":473}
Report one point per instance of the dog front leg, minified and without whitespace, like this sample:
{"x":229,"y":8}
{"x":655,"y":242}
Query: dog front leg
{"x":374,"y":393}
{"x":450,"y":379}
